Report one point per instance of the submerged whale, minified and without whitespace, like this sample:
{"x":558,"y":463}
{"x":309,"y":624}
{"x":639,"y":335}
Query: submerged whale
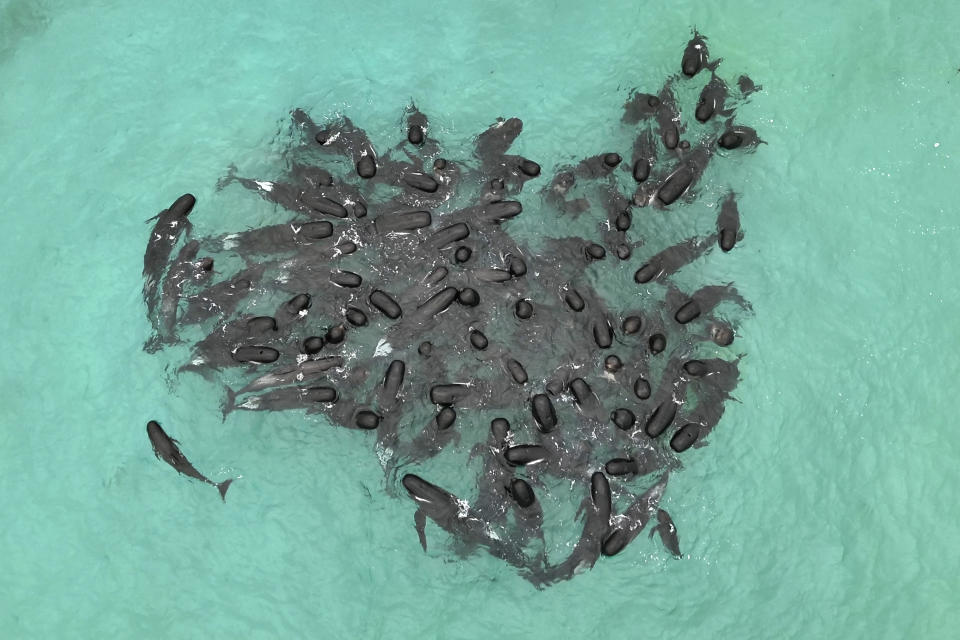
{"x":400,"y":292}
{"x":166,"y":448}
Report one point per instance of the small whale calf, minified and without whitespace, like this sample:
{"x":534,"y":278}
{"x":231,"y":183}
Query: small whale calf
{"x":512,"y":336}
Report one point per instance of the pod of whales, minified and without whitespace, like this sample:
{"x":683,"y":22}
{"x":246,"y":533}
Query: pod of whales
{"x":393,"y":293}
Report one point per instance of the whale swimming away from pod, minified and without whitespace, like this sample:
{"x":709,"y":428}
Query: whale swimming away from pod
{"x":167,"y":449}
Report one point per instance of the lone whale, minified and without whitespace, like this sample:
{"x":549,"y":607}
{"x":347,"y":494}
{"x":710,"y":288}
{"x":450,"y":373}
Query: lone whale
{"x":166,"y":449}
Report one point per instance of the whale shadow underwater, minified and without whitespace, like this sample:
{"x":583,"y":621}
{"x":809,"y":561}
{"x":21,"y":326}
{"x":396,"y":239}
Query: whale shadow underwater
{"x":394,"y":299}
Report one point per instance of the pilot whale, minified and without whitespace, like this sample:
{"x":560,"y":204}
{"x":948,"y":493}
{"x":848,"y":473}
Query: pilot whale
{"x":167,"y":449}
{"x":172,"y":223}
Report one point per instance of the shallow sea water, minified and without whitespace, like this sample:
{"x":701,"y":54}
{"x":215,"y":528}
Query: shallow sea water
{"x":826,"y":503}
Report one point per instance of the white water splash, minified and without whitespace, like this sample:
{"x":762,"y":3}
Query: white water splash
{"x":383,"y":348}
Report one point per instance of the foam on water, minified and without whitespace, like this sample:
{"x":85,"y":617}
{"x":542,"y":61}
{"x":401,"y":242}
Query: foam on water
{"x":824,"y":505}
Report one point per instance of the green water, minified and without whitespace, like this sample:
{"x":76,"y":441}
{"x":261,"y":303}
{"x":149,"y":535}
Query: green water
{"x":826,"y":504}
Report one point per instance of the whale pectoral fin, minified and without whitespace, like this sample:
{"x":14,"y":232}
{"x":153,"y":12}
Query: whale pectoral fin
{"x":420,"y":522}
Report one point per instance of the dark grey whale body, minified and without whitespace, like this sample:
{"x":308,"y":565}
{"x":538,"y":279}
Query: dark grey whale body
{"x":401,"y":292}
{"x":166,"y":448}
{"x":172,"y":223}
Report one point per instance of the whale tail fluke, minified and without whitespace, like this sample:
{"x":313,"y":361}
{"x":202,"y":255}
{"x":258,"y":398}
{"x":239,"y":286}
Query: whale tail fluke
{"x":227,"y":179}
{"x":229,"y":403}
{"x":222,"y":488}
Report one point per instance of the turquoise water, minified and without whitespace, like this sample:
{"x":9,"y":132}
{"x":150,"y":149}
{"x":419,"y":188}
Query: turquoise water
{"x":825,"y":505}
